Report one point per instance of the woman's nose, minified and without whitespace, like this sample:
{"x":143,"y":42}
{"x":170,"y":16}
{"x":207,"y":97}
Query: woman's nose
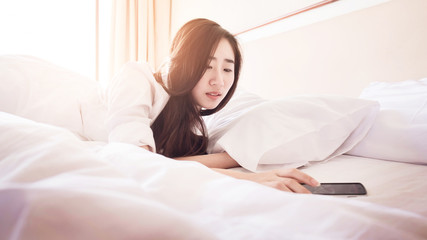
{"x":217,"y":78}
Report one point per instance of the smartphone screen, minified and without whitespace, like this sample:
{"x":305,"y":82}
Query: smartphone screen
{"x":338,"y":189}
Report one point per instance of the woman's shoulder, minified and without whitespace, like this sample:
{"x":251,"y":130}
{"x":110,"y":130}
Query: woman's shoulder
{"x":135,"y":74}
{"x":139,"y":76}
{"x":138,"y":68}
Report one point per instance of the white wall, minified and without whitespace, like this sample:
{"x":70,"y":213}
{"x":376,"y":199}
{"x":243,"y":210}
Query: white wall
{"x":235,"y":15}
{"x":340,"y":55}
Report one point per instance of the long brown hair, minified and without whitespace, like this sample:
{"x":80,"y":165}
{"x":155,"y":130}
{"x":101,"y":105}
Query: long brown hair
{"x":179,"y":130}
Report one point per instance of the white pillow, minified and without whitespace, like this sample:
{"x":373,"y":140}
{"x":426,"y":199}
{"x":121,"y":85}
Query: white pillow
{"x":294,"y":131}
{"x":43,"y":92}
{"x":217,"y":124}
{"x":400,"y":131}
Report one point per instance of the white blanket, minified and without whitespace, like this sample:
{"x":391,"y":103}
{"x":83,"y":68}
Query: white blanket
{"x":54,"y":186}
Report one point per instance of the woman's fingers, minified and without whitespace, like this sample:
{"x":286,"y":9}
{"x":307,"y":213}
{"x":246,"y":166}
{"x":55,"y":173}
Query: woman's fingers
{"x":297,"y":175}
{"x":288,"y":180}
{"x":287,"y":185}
{"x":278,"y":185}
{"x":295,"y":186}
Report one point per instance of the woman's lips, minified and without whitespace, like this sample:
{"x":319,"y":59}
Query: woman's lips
{"x":213,"y":95}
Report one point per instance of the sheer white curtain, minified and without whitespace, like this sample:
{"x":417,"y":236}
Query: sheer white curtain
{"x":140,"y":31}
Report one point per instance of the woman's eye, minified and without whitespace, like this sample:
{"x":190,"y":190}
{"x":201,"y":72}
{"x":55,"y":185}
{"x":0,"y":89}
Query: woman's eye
{"x":228,"y":70}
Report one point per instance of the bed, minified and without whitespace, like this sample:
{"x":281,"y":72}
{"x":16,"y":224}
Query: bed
{"x":57,"y":184}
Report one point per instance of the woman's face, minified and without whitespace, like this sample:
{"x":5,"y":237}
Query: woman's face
{"x":218,"y":78}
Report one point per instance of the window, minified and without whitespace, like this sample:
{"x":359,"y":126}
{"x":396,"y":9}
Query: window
{"x":62,"y":32}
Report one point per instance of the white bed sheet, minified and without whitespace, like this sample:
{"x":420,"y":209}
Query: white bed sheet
{"x":393,"y":184}
{"x":54,"y":186}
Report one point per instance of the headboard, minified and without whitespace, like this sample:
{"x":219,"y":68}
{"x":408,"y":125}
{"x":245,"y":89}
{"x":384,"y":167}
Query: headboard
{"x":341,"y":55}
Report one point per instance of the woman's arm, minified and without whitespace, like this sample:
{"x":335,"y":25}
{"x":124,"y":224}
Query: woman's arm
{"x":285,"y":179}
{"x":133,"y":97}
{"x":288,"y":180}
{"x":215,"y":160}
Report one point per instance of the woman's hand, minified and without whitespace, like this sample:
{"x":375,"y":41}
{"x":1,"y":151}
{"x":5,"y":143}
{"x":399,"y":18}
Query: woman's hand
{"x":283,"y":179}
{"x":147,"y":148}
{"x":288,"y":180}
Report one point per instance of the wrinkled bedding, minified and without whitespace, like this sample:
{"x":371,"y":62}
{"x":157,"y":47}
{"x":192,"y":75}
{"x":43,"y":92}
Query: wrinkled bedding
{"x":55,"y":186}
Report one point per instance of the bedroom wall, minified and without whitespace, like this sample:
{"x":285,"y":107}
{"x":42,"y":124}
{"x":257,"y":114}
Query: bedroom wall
{"x":341,"y":55}
{"x":235,"y":15}
{"x":336,"y":56}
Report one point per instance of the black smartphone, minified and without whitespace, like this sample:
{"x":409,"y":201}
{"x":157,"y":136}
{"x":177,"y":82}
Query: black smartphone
{"x":351,"y":188}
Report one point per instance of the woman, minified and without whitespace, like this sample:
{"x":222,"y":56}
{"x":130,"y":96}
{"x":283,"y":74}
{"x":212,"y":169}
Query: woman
{"x":199,"y":80}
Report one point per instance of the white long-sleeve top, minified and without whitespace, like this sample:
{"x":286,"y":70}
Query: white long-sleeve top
{"x":133,"y":100}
